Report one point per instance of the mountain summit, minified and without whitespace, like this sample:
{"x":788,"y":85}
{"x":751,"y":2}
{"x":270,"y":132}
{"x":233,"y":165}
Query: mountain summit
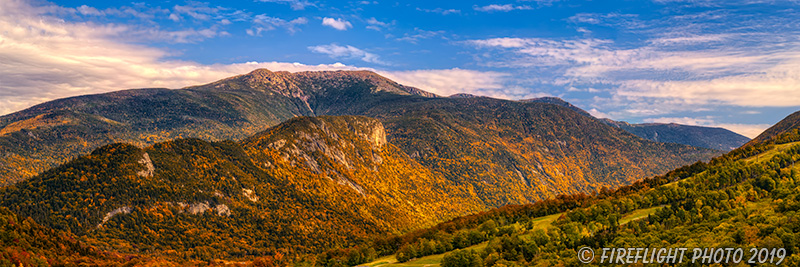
{"x":479,"y":137}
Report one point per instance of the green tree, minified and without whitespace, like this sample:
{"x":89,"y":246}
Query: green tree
{"x":462,"y":258}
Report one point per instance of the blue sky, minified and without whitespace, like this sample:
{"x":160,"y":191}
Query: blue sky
{"x":732,"y":64}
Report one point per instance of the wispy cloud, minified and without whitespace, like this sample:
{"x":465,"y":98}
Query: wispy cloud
{"x":295,"y":4}
{"x":136,"y":10}
{"x":339,"y":24}
{"x":452,"y":81}
{"x":419,"y":34}
{"x":375,"y":24}
{"x":199,"y":11}
{"x":145,"y":27}
{"x":263,"y":23}
{"x":346,"y":52}
{"x":440,"y":10}
{"x":617,"y":20}
{"x":691,"y":39}
{"x":541,"y":3}
{"x":500,"y":8}
{"x":756,"y":77}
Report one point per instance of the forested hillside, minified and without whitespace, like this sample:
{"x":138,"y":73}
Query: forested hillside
{"x":26,"y":243}
{"x":512,"y":152}
{"x":746,"y":199}
{"x":708,"y":137}
{"x":305,"y":185}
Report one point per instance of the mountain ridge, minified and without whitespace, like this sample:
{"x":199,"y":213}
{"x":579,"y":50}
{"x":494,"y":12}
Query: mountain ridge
{"x":701,"y":136}
{"x":232,"y":108}
{"x":709,"y":137}
{"x":788,"y":125}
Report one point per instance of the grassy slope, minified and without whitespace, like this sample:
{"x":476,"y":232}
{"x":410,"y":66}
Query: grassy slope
{"x":539,"y":223}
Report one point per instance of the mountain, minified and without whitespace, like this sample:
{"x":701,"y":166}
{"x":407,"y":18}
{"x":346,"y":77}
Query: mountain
{"x":51,"y":133}
{"x":699,"y":136}
{"x":512,"y":152}
{"x":556,"y":101}
{"x":785,"y":128}
{"x":295,"y":187}
{"x":745,"y":199}
{"x":304,"y":185}
{"x":163,"y":179}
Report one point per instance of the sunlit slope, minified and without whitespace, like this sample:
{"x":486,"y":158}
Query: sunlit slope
{"x":305,"y":185}
{"x":514,"y":152}
{"x":748,"y":198}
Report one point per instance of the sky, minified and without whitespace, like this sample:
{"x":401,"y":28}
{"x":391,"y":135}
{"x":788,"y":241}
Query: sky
{"x":732,"y":64}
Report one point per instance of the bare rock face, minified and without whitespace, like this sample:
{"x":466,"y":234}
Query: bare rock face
{"x":372,"y":131}
{"x":148,"y":166}
{"x":332,"y":147}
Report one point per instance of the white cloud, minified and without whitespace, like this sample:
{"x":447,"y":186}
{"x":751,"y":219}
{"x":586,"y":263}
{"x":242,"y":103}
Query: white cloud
{"x":682,"y":120}
{"x":749,"y":130}
{"x":691,"y":39}
{"x":746,"y":77}
{"x":87,"y":10}
{"x":452,"y":81}
{"x":43,"y":58}
{"x":348,"y":52}
{"x":339,"y":24}
{"x":598,"y":114}
{"x":138,"y":11}
{"x":500,"y":8}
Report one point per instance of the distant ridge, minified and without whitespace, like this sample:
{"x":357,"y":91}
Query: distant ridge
{"x":700,"y":136}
